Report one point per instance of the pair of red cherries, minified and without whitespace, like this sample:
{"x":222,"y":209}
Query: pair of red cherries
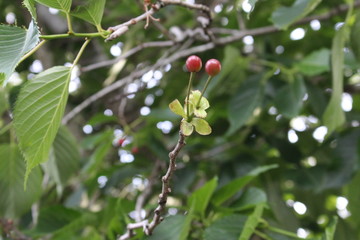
{"x":194,"y":64}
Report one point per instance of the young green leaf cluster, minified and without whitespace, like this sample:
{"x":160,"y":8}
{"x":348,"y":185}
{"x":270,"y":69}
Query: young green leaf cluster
{"x":195,"y":106}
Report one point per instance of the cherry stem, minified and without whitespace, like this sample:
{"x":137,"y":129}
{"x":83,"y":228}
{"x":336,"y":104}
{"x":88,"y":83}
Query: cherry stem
{"x":203,"y":91}
{"x":192,"y":74}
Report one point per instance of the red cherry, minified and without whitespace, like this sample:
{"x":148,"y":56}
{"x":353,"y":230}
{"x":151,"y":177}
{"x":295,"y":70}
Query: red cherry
{"x":213,"y":67}
{"x":135,"y":150}
{"x":121,"y":141}
{"x":193,"y":63}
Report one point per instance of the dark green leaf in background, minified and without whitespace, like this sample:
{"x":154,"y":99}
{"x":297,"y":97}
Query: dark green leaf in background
{"x":228,"y":190}
{"x":170,"y":228}
{"x":92,"y":12}
{"x":229,"y":228}
{"x":355,"y":36}
{"x":244,"y":102}
{"x":289,"y":99}
{"x":283,"y":17}
{"x":14,"y":201}
{"x":199,"y":199}
{"x":315,"y":63}
{"x":64,"y":159}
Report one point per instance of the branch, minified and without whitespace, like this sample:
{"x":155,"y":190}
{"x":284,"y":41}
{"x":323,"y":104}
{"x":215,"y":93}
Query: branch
{"x":120,"y":29}
{"x":165,"y":190}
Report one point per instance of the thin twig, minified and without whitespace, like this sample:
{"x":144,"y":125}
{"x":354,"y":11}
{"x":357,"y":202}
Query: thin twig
{"x":120,"y":29}
{"x":166,"y":188}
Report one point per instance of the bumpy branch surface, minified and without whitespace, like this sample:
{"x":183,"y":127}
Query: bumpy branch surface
{"x":165,"y":190}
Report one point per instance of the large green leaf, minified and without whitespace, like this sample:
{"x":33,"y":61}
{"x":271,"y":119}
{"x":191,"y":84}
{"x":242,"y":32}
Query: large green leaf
{"x":228,"y":190}
{"x":315,"y":63}
{"x":334,"y":116}
{"x":15,"y":42}
{"x":63,"y":5}
{"x":244,"y":102}
{"x":252,"y":222}
{"x":64,"y":159}
{"x":199,"y":199}
{"x":289,"y":99}
{"x":228,"y":228}
{"x":14,"y":201}
{"x":283,"y":17}
{"x":92,"y":12}
{"x":30,"y":5}
{"x":38,"y":112}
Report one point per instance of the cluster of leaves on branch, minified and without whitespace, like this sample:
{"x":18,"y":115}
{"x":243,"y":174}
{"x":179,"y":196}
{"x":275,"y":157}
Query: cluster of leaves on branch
{"x":88,"y":139}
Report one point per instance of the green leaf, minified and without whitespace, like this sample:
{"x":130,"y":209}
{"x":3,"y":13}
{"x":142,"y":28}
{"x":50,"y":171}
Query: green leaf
{"x":92,"y":12}
{"x":14,"y":201}
{"x":64,"y":160}
{"x":62,"y":5}
{"x":244,"y":102}
{"x":170,"y":228}
{"x":199,"y":199}
{"x":289,"y":99}
{"x":283,"y":17}
{"x":229,"y":228}
{"x":199,"y":111}
{"x":4,"y":105}
{"x":201,"y":126}
{"x":334,"y":116}
{"x":355,"y":36}
{"x":194,"y":99}
{"x":186,"y":127}
{"x":175,"y":107}
{"x":2,"y":77}
{"x":315,"y":63}
{"x":352,"y":193}
{"x":228,"y":190}
{"x":98,"y":156}
{"x":54,"y":218}
{"x":30,"y":5}
{"x":252,"y":197}
{"x":15,"y":42}
{"x":330,"y":230}
{"x":38,"y":112}
{"x":187,"y":224}
{"x":252,"y":222}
